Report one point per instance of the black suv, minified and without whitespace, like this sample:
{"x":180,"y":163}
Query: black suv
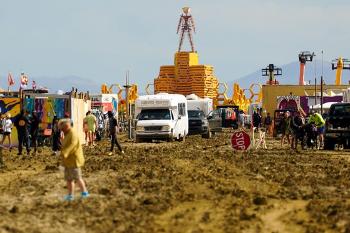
{"x":198,"y":123}
{"x":338,"y":126}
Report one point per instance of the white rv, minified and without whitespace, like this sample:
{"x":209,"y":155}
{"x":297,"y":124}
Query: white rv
{"x":196,"y":103}
{"x":161,"y":116}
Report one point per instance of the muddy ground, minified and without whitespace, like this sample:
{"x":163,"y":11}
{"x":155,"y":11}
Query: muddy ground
{"x":195,"y":186}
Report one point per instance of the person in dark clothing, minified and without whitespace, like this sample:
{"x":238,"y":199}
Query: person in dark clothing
{"x":56,"y":136}
{"x":268,"y":123}
{"x":113,"y":126}
{"x":34,"y":130}
{"x":256,"y":119}
{"x":223,"y":118}
{"x":285,"y":127}
{"x":297,"y":124}
{"x":22,"y":123}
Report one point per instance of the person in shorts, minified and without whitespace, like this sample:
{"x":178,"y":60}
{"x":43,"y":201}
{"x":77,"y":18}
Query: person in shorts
{"x":72,"y":159}
{"x":319,"y":122}
{"x":7,"y":129}
{"x":91,"y":122}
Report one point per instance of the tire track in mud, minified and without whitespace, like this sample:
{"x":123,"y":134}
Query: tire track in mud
{"x":196,"y":186}
{"x":277,"y":219}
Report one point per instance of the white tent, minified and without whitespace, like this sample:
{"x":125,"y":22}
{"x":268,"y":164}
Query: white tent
{"x":324,"y":106}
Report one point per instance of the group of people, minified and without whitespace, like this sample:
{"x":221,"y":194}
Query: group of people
{"x":295,"y":129}
{"x":90,"y":125}
{"x":65,"y":142}
{"x":260,"y":122}
{"x":27,"y":126}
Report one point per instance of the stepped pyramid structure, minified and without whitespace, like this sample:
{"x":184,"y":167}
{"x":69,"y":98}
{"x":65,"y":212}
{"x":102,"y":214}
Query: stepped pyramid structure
{"x":187,"y":76}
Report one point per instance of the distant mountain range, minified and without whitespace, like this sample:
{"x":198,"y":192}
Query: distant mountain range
{"x":290,"y":75}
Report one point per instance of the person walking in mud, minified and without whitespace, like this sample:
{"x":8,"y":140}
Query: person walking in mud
{"x":268,"y":123}
{"x":297,"y":125}
{"x":256,"y":119}
{"x":34,"y":130}
{"x":319,"y":122}
{"x":7,"y":129}
{"x":22,"y":124}
{"x":113,"y":131}
{"x":286,"y":128}
{"x":72,"y":159}
{"x":56,"y":136}
{"x":86,"y":130}
{"x":91,"y":122}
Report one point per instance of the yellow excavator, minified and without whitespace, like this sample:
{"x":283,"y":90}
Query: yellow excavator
{"x":121,"y":92}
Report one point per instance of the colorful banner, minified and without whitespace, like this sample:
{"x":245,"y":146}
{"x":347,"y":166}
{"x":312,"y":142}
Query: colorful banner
{"x":47,"y":108}
{"x":13,"y":107}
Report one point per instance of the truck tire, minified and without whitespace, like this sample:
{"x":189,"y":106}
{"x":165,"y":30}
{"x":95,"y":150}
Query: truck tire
{"x":183,"y":139}
{"x":139,"y":140}
{"x":207,"y":135}
{"x":328,"y":144}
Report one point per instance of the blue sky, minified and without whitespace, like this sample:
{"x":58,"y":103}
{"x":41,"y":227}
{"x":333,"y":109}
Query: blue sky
{"x":100,"y":40}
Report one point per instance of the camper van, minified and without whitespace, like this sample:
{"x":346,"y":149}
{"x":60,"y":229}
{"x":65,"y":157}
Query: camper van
{"x":161,"y":116}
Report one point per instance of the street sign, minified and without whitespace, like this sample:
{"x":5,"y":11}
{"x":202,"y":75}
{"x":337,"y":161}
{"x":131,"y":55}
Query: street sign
{"x":240,"y":140}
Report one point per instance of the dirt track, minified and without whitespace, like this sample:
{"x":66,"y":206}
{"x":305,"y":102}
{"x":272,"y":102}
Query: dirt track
{"x":196,"y":186}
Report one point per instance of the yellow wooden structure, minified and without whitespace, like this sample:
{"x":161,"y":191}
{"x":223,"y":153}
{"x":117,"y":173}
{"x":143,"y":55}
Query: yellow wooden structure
{"x":187,"y":76}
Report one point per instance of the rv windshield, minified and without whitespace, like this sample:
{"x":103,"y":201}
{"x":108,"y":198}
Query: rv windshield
{"x":155,"y":114}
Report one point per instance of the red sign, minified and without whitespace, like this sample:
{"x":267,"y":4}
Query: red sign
{"x":240,"y":140}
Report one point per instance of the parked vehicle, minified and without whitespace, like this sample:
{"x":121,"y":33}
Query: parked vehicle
{"x":161,"y":116}
{"x":198,"y":110}
{"x":338,"y":126}
{"x":198,"y":123}
{"x":196,"y":103}
{"x":228,"y":115}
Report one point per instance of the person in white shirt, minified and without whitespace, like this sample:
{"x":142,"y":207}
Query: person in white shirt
{"x":7,"y":129}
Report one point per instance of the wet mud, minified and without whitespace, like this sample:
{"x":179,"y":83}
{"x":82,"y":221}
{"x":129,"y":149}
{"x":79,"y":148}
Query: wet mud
{"x":200,"y":185}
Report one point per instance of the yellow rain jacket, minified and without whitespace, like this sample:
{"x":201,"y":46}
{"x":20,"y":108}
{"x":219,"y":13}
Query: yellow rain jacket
{"x":72,"y":151}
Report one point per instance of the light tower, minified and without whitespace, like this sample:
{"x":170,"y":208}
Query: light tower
{"x":271,"y":71}
{"x":340,"y":64}
{"x":304,"y":57}
{"x":186,"y":25}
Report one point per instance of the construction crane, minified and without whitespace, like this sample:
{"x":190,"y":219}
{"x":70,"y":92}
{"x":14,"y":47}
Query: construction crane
{"x":120,"y":91}
{"x":340,"y":64}
{"x":186,"y":25}
{"x":271,"y":71}
{"x":304,"y":57}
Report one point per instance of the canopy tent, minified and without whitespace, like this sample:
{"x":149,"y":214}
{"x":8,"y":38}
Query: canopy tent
{"x":324,"y":106}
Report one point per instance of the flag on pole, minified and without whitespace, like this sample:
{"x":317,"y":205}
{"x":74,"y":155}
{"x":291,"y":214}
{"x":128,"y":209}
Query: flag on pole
{"x":24,"y":81}
{"x":34,"y":85}
{"x":10,"y":80}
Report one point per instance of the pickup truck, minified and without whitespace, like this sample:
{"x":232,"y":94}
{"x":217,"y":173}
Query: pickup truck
{"x":337,"y":129}
{"x":198,"y":123}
